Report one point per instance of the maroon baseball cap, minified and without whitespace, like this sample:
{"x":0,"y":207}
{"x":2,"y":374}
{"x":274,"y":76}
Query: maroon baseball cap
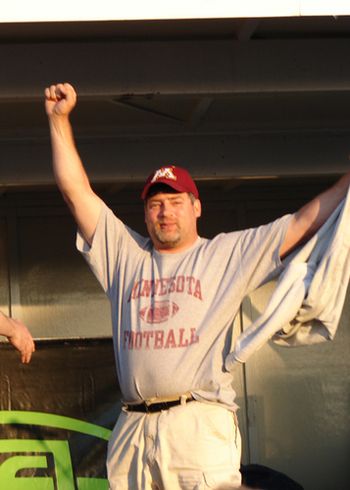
{"x":175,"y":177}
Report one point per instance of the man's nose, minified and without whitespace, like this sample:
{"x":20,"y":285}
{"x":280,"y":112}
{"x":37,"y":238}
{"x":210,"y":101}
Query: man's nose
{"x":166,"y":209}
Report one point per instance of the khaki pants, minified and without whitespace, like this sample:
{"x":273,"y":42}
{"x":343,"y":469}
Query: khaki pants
{"x":191,"y":446}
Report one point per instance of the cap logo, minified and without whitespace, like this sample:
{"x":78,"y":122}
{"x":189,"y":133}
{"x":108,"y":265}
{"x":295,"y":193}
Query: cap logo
{"x":164,"y":173}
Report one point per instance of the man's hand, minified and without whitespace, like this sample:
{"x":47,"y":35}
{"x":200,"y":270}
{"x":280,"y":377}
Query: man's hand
{"x":21,"y":339}
{"x":60,"y":99}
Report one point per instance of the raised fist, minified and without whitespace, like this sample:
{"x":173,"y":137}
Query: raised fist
{"x":60,"y":99}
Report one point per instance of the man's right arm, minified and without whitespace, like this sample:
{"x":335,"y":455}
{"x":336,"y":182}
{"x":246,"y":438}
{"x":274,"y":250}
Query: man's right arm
{"x":68,"y":169}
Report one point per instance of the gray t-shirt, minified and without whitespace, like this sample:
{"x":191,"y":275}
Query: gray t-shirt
{"x":172,"y":314}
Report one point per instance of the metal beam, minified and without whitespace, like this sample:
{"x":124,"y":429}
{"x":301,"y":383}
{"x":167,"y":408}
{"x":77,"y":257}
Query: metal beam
{"x":118,"y":160}
{"x":112,"y":69}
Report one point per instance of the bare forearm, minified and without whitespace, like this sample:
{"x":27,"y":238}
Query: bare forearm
{"x":6,"y":327}
{"x":311,"y":217}
{"x":68,"y":169}
{"x":316,"y":212}
{"x":71,"y":177}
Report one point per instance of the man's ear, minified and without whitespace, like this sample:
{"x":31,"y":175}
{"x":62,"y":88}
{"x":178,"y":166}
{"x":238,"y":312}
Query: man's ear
{"x":197,"y":208}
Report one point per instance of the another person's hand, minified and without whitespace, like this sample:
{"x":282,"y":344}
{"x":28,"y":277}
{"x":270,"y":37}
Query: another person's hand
{"x":21,"y":339}
{"x":60,"y":99}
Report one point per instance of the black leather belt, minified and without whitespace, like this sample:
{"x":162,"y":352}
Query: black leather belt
{"x":155,"y":407}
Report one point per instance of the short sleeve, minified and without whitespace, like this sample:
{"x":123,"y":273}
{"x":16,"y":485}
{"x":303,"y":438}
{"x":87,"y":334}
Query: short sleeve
{"x":112,"y":244}
{"x":259,"y":251}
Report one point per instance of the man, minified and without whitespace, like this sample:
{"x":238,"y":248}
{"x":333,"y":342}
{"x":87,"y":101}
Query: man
{"x":173,"y":298}
{"x":18,"y":335}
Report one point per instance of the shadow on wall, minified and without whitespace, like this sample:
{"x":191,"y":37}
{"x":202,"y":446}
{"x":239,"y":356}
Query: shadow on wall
{"x":264,"y":478}
{"x":255,"y":476}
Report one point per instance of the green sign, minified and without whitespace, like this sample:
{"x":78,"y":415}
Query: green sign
{"x":18,"y":455}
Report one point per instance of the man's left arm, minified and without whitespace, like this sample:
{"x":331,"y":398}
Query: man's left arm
{"x":305,"y":222}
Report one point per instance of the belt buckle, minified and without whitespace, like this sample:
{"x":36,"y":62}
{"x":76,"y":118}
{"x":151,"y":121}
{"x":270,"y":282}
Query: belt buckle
{"x":163,"y":406}
{"x":156,"y":407}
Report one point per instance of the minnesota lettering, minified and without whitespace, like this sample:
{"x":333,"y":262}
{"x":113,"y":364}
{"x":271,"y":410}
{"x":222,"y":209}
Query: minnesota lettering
{"x":160,"y":287}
